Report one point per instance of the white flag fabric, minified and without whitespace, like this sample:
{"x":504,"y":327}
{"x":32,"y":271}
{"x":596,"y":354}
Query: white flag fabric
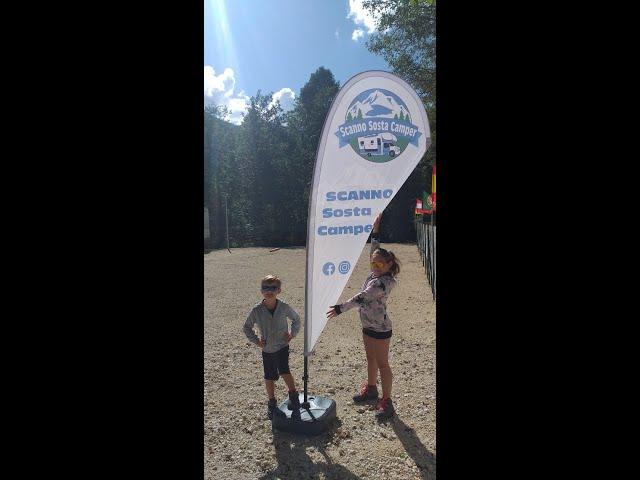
{"x":374,"y":135}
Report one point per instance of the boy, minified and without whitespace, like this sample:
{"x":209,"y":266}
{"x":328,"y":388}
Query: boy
{"x":271,"y":317}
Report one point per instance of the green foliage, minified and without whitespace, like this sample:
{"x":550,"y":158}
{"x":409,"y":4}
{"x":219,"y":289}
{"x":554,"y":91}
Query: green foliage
{"x":219,"y":156}
{"x":406,"y":39}
{"x":264,"y":166}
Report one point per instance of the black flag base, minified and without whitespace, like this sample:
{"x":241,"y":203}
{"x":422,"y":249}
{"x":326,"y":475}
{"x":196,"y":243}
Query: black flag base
{"x":311,"y":419}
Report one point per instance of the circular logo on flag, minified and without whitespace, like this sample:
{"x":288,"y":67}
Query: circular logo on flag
{"x":328,"y":268}
{"x":378,"y":126}
{"x":344,"y":267}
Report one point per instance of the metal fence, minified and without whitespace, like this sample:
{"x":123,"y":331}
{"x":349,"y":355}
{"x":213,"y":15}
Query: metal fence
{"x":426,"y":241}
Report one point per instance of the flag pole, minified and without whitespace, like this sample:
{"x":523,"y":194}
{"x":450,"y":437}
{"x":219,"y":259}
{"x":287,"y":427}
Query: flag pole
{"x":305,"y":376}
{"x":226,"y":216}
{"x":305,"y":403}
{"x":307,"y":310}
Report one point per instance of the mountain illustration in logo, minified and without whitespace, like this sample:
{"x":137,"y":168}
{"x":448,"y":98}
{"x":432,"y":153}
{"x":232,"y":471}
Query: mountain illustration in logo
{"x":378,"y":126}
{"x":378,"y":104}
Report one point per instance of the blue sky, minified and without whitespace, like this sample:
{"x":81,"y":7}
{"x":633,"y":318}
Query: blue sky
{"x":275,"y":45}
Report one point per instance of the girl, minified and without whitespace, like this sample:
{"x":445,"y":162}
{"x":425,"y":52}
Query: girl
{"x":376,"y":324}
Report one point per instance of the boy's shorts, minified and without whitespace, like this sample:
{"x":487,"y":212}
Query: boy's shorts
{"x":275,"y":363}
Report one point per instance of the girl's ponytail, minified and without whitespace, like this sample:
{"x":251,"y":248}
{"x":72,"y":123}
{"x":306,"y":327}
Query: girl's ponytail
{"x":395,"y":267}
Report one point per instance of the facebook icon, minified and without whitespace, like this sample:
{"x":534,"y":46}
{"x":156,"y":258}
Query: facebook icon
{"x":328,"y":268}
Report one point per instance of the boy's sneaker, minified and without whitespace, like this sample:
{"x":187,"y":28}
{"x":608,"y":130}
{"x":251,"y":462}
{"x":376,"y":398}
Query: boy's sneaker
{"x":366,"y":393}
{"x":271,"y":407}
{"x":294,"y":401}
{"x":384,"y":408}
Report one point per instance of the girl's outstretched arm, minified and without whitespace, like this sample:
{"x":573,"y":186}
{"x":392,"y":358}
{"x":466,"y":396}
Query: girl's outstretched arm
{"x":374,"y":290}
{"x":375,"y":232}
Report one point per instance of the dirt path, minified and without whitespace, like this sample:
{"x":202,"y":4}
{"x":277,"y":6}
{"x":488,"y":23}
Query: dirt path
{"x":240,"y":444}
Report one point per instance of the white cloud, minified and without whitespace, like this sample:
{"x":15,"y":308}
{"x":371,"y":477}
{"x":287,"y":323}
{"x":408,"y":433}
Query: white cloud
{"x":219,"y":90}
{"x":357,"y":33}
{"x":337,"y":34}
{"x":362,"y":17}
{"x":238,"y":106}
{"x":285,"y":96}
{"x":218,"y":83}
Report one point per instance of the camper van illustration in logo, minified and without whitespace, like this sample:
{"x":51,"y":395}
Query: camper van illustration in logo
{"x":378,"y":126}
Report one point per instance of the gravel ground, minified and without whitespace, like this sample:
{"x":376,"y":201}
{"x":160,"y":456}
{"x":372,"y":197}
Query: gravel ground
{"x":240,"y":443}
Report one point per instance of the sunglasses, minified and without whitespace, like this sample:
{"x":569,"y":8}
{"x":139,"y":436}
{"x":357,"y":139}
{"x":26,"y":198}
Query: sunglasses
{"x":269,"y":288}
{"x":377,"y":264}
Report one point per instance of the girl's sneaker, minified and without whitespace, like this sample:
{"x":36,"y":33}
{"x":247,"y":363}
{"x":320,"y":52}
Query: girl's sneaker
{"x":366,"y":393}
{"x":385,"y":408}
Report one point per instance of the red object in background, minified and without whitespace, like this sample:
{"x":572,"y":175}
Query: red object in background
{"x":431,"y":200}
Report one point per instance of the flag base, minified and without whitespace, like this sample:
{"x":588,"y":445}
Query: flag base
{"x":309,"y":420}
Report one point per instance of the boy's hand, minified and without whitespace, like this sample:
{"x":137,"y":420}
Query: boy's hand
{"x":261,"y":343}
{"x":287,"y":337}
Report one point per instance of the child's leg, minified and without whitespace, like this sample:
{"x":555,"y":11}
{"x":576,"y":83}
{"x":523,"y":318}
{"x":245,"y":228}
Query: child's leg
{"x":271,"y":391}
{"x":288,"y":379}
{"x":372,"y":364}
{"x":382,"y":359}
{"x":270,"y":373}
{"x":283,"y":368}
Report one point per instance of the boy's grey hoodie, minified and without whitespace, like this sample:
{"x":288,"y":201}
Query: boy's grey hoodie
{"x":272,"y":327}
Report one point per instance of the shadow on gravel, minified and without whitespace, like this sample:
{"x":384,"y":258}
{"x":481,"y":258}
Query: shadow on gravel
{"x":424,"y":459}
{"x":295,"y":463}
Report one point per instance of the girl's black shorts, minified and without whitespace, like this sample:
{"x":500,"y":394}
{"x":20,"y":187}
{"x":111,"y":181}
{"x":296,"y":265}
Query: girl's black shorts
{"x":378,"y":335}
{"x":275,"y":363}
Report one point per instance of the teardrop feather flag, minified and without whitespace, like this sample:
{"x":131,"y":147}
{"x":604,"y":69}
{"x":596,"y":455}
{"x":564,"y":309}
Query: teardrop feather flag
{"x":374,"y":135}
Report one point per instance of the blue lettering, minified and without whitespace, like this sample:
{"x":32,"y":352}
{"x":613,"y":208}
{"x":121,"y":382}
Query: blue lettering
{"x":359,"y":195}
{"x":326,"y":212}
{"x":344,"y":230}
